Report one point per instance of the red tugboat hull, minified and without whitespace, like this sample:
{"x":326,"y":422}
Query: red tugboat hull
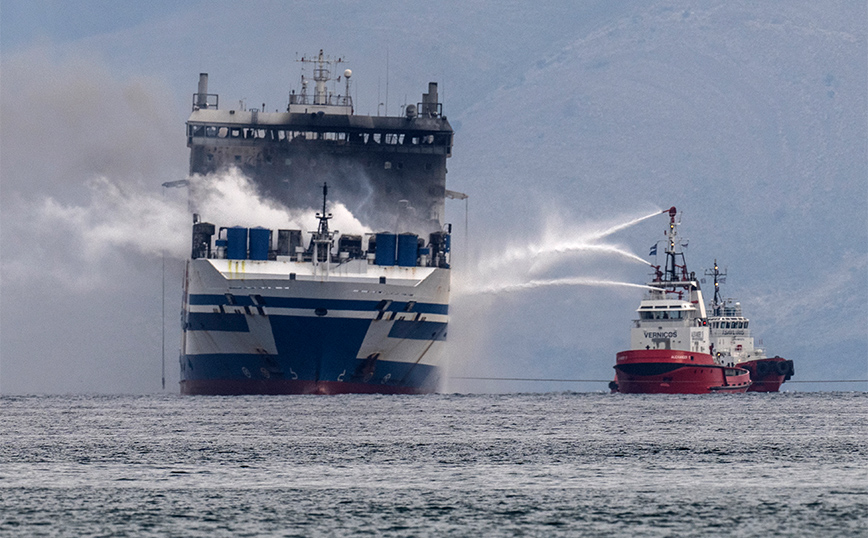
{"x":768,"y":375}
{"x":670,"y":371}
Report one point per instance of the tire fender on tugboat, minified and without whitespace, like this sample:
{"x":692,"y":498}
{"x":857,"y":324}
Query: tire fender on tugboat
{"x":782,"y":368}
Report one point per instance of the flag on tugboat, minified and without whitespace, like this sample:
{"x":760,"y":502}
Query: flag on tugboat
{"x":653,"y":251}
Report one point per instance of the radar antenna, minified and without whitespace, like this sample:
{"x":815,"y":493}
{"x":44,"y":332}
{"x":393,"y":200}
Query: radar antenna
{"x":322,"y":74}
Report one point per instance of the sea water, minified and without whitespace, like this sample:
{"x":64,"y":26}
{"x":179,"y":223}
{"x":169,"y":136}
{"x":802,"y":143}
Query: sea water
{"x":560,"y":464}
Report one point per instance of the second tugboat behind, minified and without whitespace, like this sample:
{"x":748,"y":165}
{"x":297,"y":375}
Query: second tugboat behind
{"x":671,"y":349}
{"x":733,"y":344}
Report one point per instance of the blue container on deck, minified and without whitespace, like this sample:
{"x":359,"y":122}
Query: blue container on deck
{"x":408,"y":249}
{"x":260,"y":243}
{"x":237,"y":238}
{"x":385,"y":254}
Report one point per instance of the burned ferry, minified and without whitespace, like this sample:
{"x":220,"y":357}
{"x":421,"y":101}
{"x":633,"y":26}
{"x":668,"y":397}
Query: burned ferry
{"x":289,"y":311}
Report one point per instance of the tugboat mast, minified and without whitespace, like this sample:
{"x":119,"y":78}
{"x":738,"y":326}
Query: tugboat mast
{"x":717,"y":302}
{"x":671,"y":269}
{"x":670,"y":275}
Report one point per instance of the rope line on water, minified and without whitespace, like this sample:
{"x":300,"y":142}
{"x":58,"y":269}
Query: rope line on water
{"x":535,"y":379}
{"x":829,"y":381}
{"x":607,"y":380}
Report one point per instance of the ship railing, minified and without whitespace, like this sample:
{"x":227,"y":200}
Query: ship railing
{"x":206,"y":100}
{"x":312,"y":100}
{"x":338,"y":258}
{"x":384,"y":141}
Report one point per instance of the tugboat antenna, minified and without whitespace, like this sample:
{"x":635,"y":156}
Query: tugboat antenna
{"x":671,"y":275}
{"x":717,"y":302}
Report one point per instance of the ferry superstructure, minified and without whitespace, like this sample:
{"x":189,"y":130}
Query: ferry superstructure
{"x":670,"y":344}
{"x":291,"y":312}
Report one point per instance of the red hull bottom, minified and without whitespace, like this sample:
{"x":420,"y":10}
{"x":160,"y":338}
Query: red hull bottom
{"x":675,"y":372}
{"x":768,"y":374}
{"x":286,"y":386}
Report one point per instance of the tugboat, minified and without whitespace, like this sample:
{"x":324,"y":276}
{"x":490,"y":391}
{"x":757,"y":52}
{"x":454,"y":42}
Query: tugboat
{"x":733,"y":344}
{"x":670,"y":344}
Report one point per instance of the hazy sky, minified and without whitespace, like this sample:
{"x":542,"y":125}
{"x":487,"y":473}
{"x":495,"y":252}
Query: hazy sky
{"x":570,"y":119}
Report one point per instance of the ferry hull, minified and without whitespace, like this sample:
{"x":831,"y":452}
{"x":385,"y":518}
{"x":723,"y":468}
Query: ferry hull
{"x":675,"y":372}
{"x":264,"y":333}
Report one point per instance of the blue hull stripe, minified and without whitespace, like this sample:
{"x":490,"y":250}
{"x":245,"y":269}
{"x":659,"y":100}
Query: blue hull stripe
{"x":329,"y":304}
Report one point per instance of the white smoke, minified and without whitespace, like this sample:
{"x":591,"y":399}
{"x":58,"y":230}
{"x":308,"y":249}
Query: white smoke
{"x":229,"y":198}
{"x":75,"y":243}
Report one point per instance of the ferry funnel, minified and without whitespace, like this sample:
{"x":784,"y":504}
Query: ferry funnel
{"x":202,"y":94}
